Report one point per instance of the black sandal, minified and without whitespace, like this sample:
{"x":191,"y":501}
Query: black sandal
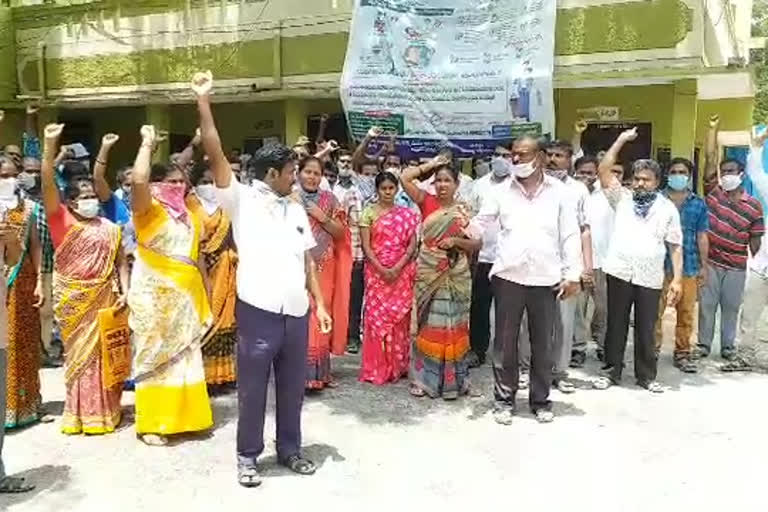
{"x":12,"y":485}
{"x":299,"y":465}
{"x":248,"y":476}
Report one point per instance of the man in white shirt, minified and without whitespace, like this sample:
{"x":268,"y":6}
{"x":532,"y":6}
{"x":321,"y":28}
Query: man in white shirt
{"x":10,"y":252}
{"x":560,"y":158}
{"x":275,"y":273}
{"x":646,"y":225}
{"x":756,"y":289}
{"x":601,"y":228}
{"x":349,"y":196}
{"x":482,"y":294}
{"x":538,"y":261}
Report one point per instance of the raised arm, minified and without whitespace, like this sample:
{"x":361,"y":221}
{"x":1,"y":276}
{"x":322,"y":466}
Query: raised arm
{"x":100,"y":184}
{"x":410,"y":176}
{"x":321,"y":130}
{"x":47,"y":168}
{"x":755,"y":163}
{"x":187,"y":155}
{"x":141,"y":196}
{"x":711,"y":154}
{"x":359,"y":156}
{"x":202,"y":83}
{"x":608,"y":182}
{"x":578,"y":131}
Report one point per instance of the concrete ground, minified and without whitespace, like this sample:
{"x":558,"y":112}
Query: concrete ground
{"x":700,"y":445}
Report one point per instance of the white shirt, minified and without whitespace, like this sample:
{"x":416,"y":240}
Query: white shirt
{"x":3,"y":306}
{"x":539,"y":242}
{"x":637,"y":248}
{"x":482,"y":189}
{"x":272,"y":235}
{"x":759,"y":262}
{"x":579,"y":194}
{"x":600,"y":225}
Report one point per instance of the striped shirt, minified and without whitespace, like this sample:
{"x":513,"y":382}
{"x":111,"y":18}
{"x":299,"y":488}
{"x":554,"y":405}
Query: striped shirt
{"x":731,"y":226}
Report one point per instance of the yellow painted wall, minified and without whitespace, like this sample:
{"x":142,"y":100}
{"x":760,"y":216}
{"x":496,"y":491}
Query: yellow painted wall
{"x":651,"y":103}
{"x":735,"y":115}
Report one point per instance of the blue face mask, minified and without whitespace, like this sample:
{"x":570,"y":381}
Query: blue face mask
{"x":678,"y":182}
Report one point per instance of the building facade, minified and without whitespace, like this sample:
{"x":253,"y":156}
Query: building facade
{"x":112,"y":65}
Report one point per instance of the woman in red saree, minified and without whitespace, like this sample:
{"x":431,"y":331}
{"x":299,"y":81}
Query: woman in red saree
{"x":88,"y":260}
{"x":333,"y":258}
{"x":388,"y":234}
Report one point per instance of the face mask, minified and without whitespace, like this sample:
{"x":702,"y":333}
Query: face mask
{"x":345,"y":172}
{"x":523,"y":170}
{"x":27,"y":181}
{"x":88,"y":208}
{"x":481,"y":169}
{"x":730,"y":182}
{"x":7,"y":188}
{"x":678,"y":182}
{"x":394,"y":170}
{"x":500,"y":167}
{"x":206,"y":192}
{"x":558,"y":174}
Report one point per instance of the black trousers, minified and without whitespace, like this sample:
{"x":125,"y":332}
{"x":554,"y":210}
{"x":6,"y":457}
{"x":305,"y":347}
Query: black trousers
{"x":269,"y":340}
{"x":480,"y":311}
{"x":621,"y":296}
{"x":357,"y":289}
{"x":539,"y":303}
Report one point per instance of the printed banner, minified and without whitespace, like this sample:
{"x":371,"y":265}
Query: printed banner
{"x":466,"y":74}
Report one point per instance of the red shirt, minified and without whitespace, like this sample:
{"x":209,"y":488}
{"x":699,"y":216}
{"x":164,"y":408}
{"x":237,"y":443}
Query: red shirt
{"x":59,"y":222}
{"x":731,"y":226}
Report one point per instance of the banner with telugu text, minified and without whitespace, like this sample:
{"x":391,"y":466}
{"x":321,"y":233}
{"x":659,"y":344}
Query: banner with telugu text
{"x":466,"y":74}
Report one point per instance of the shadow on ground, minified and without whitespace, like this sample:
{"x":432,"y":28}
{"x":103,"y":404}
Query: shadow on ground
{"x":317,"y":453}
{"x":48,"y":478}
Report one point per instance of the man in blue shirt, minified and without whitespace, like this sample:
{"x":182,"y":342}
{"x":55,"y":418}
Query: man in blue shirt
{"x":694,"y":221}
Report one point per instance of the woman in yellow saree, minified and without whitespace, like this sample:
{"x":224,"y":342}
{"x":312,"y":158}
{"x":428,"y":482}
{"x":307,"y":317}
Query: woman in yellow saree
{"x":218,"y":249}
{"x":170,"y":314}
{"x":88,"y":259}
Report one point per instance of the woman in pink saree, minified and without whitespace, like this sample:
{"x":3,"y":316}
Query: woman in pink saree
{"x":388,"y":235}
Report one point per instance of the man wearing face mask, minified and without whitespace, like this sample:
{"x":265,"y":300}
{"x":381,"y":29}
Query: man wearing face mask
{"x":348,"y":194}
{"x":735,"y":228}
{"x":482,"y":294}
{"x":646,"y":227}
{"x":694,"y":220}
{"x":600,"y":228}
{"x":537,"y":262}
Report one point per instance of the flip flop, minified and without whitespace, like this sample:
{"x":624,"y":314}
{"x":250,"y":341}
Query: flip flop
{"x":248,"y":476}
{"x":417,"y":392}
{"x":154,"y":440}
{"x":13,"y":485}
{"x":299,"y":465}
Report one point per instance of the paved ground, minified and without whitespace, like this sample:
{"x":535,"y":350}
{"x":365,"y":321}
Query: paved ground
{"x":701,"y":444}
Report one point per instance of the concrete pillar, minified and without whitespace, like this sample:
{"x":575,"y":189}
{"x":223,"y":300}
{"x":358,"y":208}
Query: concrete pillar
{"x":684,"y":119}
{"x":295,"y":112}
{"x":160,"y":117}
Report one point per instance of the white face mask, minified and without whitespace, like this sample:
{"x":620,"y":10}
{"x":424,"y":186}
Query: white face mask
{"x":730,"y":182}
{"x":8,"y":188}
{"x":26,"y":180}
{"x":206,"y":192}
{"x":501,"y":167}
{"x":523,"y":170}
{"x":345,"y":171}
{"x":88,"y":208}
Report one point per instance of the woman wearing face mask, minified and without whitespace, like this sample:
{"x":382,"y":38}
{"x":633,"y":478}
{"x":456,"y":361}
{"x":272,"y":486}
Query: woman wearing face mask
{"x":170,"y":313}
{"x":218,"y":250}
{"x":90,"y":274}
{"x":24,"y":289}
{"x":333,"y":257}
{"x":443,"y":285}
{"x":388,"y":234}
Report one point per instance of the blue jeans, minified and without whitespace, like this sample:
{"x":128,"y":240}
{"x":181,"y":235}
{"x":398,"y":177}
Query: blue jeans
{"x":724,"y":288}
